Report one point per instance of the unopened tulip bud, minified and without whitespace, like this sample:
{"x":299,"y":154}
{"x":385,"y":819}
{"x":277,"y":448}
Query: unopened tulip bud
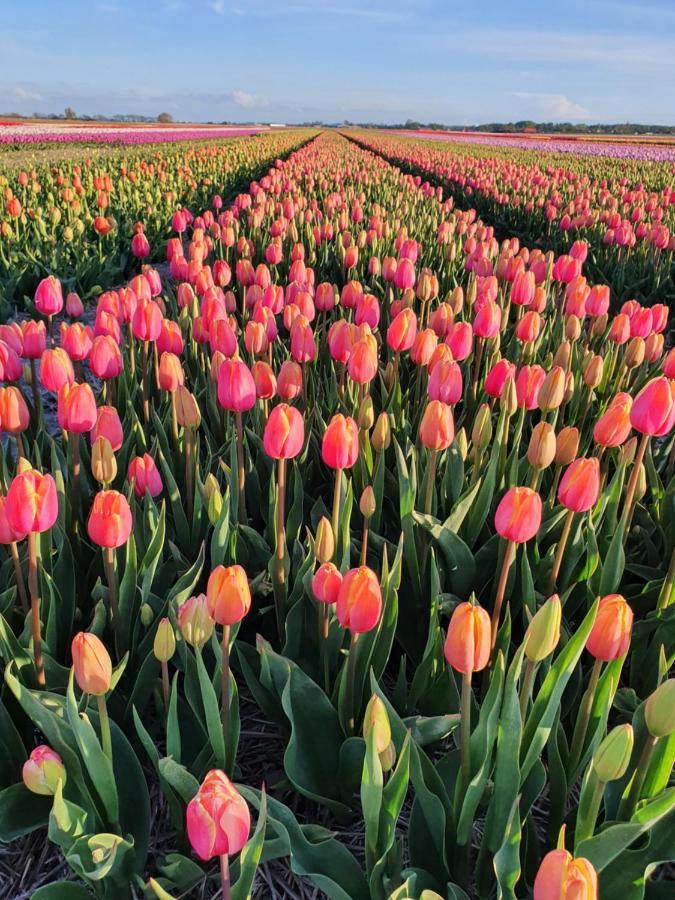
{"x":552,"y":390}
{"x":187,"y":409}
{"x":561,"y":877}
{"x":147,"y":615}
{"x":508,"y":402}
{"x":213,"y":498}
{"x":103,"y":462}
{"x":43,"y":770}
{"x":572,"y":328}
{"x":194,"y":620}
{"x":389,"y":375}
{"x":461,"y":443}
{"x":599,"y":325}
{"x":543,"y":632}
{"x":611,"y":759}
{"x":456,"y":300}
{"x":91,"y":663}
{"x":467,"y":643}
{"x":481,"y":433}
{"x":627,"y":452}
{"x":164,"y":645}
{"x":566,"y":445}
{"x":366,"y":415}
{"x":376,"y":721}
{"x":562,"y":356}
{"x":635,"y":353}
{"x":324,"y":546}
{"x":367,"y":503}
{"x":660,"y":710}
{"x":381,"y":437}
{"x":641,"y":486}
{"x":593,"y":372}
{"x":569,"y":387}
{"x":542,"y":446}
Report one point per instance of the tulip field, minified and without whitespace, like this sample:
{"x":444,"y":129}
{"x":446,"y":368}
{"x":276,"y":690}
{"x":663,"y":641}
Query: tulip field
{"x":337,"y":513}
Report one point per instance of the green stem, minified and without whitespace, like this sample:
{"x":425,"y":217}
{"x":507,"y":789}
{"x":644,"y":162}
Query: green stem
{"x":225,"y":877}
{"x":583,"y":718}
{"x":225,"y":683}
{"x":627,"y":806}
{"x":349,"y":684}
{"x":509,"y":556}
{"x":335,"y":519}
{"x":586,"y":827}
{"x":465,"y":735}
{"x":279,"y":573}
{"x":526,"y":688}
{"x":560,"y":550}
{"x":35,"y":608}
{"x":106,"y":739}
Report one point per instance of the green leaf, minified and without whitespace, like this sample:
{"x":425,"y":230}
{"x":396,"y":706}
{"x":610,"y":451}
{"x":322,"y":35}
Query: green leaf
{"x":250,"y":855}
{"x":21,"y":811}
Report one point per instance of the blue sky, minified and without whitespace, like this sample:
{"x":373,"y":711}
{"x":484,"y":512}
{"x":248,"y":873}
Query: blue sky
{"x":385,"y":61}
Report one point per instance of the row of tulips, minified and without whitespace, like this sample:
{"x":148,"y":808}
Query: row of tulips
{"x":88,"y":219}
{"x":411,"y":486}
{"x":622,"y":209}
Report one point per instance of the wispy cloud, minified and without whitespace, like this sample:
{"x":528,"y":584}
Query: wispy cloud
{"x":551,"y":106}
{"x":218,"y":6}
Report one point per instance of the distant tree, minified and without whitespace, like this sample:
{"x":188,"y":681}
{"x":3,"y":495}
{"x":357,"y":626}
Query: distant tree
{"x":70,"y":113}
{"x":165,"y":117}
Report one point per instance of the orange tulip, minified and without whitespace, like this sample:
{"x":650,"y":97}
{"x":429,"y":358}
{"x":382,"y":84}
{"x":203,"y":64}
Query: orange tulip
{"x":91,"y":664}
{"x":228,"y":594}
{"x":467,"y":645}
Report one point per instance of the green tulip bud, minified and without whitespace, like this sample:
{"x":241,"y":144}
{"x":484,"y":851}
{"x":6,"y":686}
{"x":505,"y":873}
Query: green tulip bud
{"x":481,"y":433}
{"x":388,"y":757}
{"x":147,"y":614}
{"x":543,"y":632}
{"x":164,"y":645}
{"x":377,"y":721}
{"x":660,"y":710}
{"x":611,"y":759}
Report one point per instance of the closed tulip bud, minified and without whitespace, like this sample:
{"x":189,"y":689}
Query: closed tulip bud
{"x":367,"y":503}
{"x":593,"y":372}
{"x":610,"y":635}
{"x":164,"y":645}
{"x":635,"y":353}
{"x":641,"y":484}
{"x":366,"y":414}
{"x":324,"y":545}
{"x":467,"y":644}
{"x":580,"y":485}
{"x":194,"y":620}
{"x":660,"y":710}
{"x":76,"y":408}
{"x":103,"y":462}
{"x":144,"y":475}
{"x":31,"y":504}
{"x":481,"y":433}
{"x":461,"y":443}
{"x":561,"y":877}
{"x":611,"y":759}
{"x":508,"y":401}
{"x":542,"y":446}
{"x":187,"y":409}
{"x":236,"y":388}
{"x":43,"y":770}
{"x":653,"y":410}
{"x":326,"y":583}
{"x":91,"y":664}
{"x":228,"y":594}
{"x":572,"y":328}
{"x":381,"y":437}
{"x":217,"y":817}
{"x":14,"y":413}
{"x":284,"y":434}
{"x":359,"y":602}
{"x":110,"y":521}
{"x":376,"y":721}
{"x":147,"y":615}
{"x":613,"y":426}
{"x":518,"y":515}
{"x":627,"y":452}
{"x":552,"y":390}
{"x":213,"y":498}
{"x":566,"y":445}
{"x":543,"y":632}
{"x":437,"y":428}
{"x":563,"y":355}
{"x":340,"y":443}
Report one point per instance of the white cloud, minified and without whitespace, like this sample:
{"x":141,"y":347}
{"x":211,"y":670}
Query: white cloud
{"x":243,"y":99}
{"x":22,"y":93}
{"x":551,"y":106}
{"x":218,"y":6}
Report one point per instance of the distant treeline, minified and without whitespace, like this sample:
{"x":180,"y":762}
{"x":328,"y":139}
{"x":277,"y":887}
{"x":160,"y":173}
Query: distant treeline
{"x":544,"y":127}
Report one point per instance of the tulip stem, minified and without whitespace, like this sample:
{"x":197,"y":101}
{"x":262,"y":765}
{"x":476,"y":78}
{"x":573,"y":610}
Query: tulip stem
{"x":132,"y":353}
{"x":465,"y":735}
{"x":627,"y":806}
{"x":225,"y":877}
{"x":18,"y":576}
{"x":509,"y":556}
{"x":146,"y":386}
{"x":225,"y":683}
{"x":37,"y":403}
{"x":667,"y":594}
{"x":583,"y":718}
{"x":632,"y":484}
{"x":241,"y":471}
{"x":174,"y":419}
{"x":431,"y":476}
{"x":165,"y":685}
{"x":559,"y":550}
{"x":106,"y":739}
{"x":35,"y":607}
{"x":364,"y":543}
{"x":189,"y":470}
{"x":349,"y":684}
{"x":75,"y":493}
{"x":335,"y":521}
{"x":279,"y":572}
{"x":109,"y":566}
{"x":526,"y":688}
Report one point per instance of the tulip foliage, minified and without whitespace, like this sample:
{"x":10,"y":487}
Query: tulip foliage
{"x":349,"y":461}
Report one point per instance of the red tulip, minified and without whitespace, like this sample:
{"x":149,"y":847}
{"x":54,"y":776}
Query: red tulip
{"x":518,"y":516}
{"x":110,"y":521}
